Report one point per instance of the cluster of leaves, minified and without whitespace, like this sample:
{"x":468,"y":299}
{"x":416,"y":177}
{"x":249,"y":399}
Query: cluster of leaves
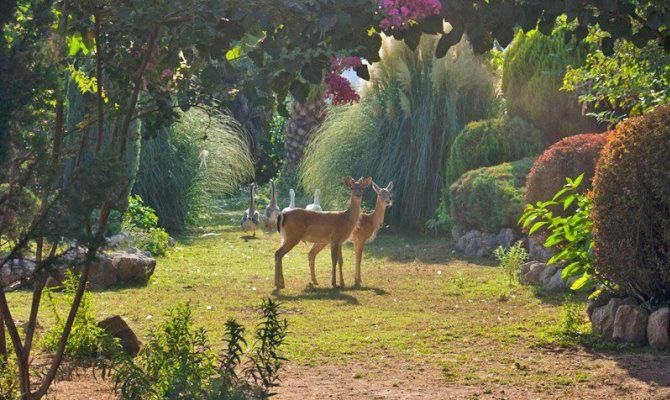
{"x":87,"y":341}
{"x":141,"y":223}
{"x":572,"y":234}
{"x":510,"y":261}
{"x":178,"y":362}
{"x":629,"y":82}
{"x":401,"y":14}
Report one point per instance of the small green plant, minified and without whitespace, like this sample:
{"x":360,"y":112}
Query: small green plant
{"x":572,"y":317}
{"x":460,"y":280}
{"x":178,"y":362}
{"x":511,"y":260}
{"x":140,"y":221}
{"x":9,"y":386}
{"x":571,"y":234}
{"x":87,"y":341}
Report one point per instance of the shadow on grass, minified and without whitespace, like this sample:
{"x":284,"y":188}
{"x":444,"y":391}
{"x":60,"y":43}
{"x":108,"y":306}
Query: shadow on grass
{"x":328,"y":293}
{"x":406,"y":248}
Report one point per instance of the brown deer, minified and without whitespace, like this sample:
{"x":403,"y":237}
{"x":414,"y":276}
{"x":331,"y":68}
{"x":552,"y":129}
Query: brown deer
{"x":364,"y":232}
{"x":323,"y":228}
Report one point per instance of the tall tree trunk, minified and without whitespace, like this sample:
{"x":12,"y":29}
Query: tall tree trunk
{"x":305,"y":119}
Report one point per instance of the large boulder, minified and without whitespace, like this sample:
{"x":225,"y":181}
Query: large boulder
{"x":102,"y":273}
{"x":658,"y":327}
{"x":547,"y":274}
{"x":602,"y":318}
{"x":118,"y":328}
{"x":630,"y":324}
{"x":133,"y":267}
{"x":533,"y":276}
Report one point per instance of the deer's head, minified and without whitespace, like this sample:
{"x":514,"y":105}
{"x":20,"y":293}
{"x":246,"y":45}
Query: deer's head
{"x":357,"y":187}
{"x":384,"y":194}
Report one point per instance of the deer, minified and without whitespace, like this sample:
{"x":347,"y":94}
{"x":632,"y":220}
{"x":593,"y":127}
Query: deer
{"x":320,"y":227}
{"x":364,"y":232}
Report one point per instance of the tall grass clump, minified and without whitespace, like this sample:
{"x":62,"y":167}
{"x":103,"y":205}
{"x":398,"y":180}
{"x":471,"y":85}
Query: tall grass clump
{"x":409,"y":114}
{"x":171,"y":177}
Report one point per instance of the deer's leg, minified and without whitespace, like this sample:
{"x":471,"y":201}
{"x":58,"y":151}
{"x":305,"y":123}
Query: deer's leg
{"x":334,"y":255}
{"x":279,"y":254}
{"x":312,"y":259}
{"x":358,"y":248}
{"x":340,"y":261}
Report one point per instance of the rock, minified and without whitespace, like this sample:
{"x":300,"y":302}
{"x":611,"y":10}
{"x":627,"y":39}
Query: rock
{"x":600,"y":301}
{"x":118,"y":240}
{"x":102,"y":273}
{"x":171,"y":241}
{"x":456,"y":232}
{"x":556,"y":283}
{"x":523,"y":269}
{"x":657,"y":328}
{"x":133,"y":267}
{"x":532,"y":277}
{"x":536,"y":249}
{"x":548,"y":273}
{"x":118,"y":328}
{"x":602,"y":318}
{"x":505,"y":238}
{"x":630,"y":325}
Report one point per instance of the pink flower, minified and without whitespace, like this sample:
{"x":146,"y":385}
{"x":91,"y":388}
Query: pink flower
{"x":339,"y":90}
{"x":400,"y":14}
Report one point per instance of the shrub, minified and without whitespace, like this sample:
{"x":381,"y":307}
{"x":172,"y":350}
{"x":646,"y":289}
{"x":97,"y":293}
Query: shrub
{"x":178,"y":362}
{"x":570,"y":234}
{"x":140,"y":221}
{"x":511,"y":260}
{"x":631,"y":210}
{"x":410,"y":112}
{"x":87,"y":341}
{"x":492,"y":142}
{"x":567,"y":158}
{"x":489,"y":198}
{"x":532,"y":77}
{"x":9,"y":385}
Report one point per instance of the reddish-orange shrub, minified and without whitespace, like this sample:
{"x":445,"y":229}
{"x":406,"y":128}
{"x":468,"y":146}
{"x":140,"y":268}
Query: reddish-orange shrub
{"x":631,"y":207}
{"x":567,"y":158}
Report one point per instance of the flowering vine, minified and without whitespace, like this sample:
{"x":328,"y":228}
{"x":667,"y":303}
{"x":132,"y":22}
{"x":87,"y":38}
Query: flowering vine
{"x":338,"y":88}
{"x":401,"y":14}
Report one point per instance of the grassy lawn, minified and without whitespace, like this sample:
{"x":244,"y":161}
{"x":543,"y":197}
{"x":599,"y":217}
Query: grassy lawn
{"x":420,"y":307}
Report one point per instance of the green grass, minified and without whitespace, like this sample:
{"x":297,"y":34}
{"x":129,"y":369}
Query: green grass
{"x":419,"y":305}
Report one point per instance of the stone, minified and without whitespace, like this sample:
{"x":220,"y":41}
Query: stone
{"x":523,"y":269}
{"x":603,"y":298}
{"x":118,"y":240}
{"x":657,"y":328}
{"x":548,"y":273}
{"x":630,"y":325}
{"x":118,"y":328}
{"x":133,"y":267}
{"x":602,"y":318}
{"x":536,"y":249}
{"x":456,"y":232}
{"x":102,"y":273}
{"x":532,"y":277}
{"x":505,"y":238}
{"x":17,"y":271}
{"x":556,"y":283}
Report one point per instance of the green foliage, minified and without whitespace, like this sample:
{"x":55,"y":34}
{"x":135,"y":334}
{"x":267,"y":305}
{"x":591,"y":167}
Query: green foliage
{"x":532,"y":77}
{"x":9,"y":388}
{"x":402,"y":129}
{"x":177,"y":362}
{"x":571,"y":233}
{"x":19,"y":205}
{"x":510,"y":261}
{"x":174,"y":181}
{"x":87,"y":341}
{"x":492,"y":142}
{"x":271,"y":157}
{"x":140,"y":221}
{"x":629,"y":82}
{"x":630,"y":207}
{"x":572,"y":317}
{"x":490,"y":198}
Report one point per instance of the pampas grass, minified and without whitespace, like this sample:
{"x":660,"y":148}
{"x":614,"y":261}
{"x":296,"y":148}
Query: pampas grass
{"x":410,"y":112}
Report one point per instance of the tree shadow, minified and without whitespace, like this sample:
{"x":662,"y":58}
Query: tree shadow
{"x":247,"y":238}
{"x":318,"y":293}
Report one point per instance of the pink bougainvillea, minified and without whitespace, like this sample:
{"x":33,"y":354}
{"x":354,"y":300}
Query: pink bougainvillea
{"x":400,"y":14}
{"x":338,"y":88}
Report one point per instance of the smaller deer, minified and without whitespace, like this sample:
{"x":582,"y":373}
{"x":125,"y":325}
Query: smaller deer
{"x":364,"y":232}
{"x":321,"y":228}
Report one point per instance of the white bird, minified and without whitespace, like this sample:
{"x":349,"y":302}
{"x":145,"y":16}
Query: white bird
{"x":250,"y":218}
{"x":315,"y":206}
{"x":291,"y":205}
{"x":272,"y":211}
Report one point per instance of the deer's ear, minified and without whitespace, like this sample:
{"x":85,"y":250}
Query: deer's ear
{"x":349,"y":181}
{"x":375,"y":187}
{"x":366,"y":182}
{"x":389,"y":187}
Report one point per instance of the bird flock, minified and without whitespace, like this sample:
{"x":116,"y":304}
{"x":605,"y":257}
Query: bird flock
{"x":252,"y":219}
